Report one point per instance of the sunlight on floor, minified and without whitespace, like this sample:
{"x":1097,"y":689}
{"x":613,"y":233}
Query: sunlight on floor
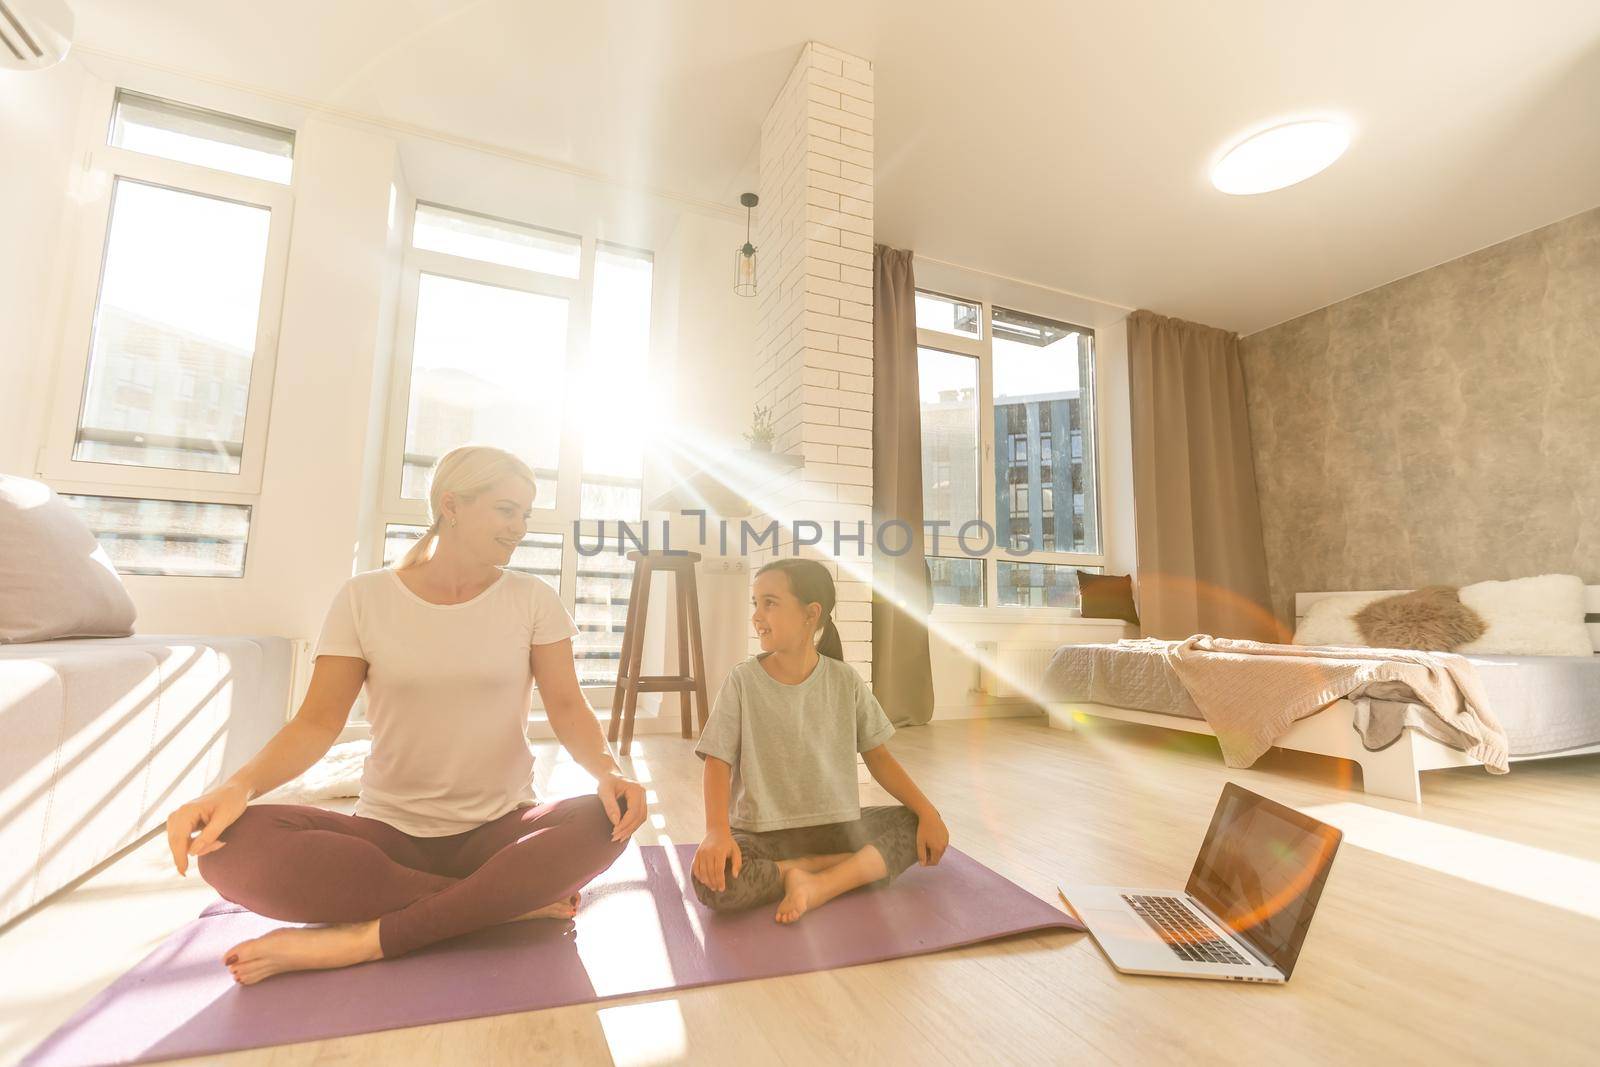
{"x":1536,"y":874}
{"x":642,"y":1035}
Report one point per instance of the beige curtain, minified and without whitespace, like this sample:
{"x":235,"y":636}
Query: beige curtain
{"x":1202,"y":563}
{"x":902,"y":674}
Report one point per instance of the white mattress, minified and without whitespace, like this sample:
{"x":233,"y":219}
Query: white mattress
{"x":101,"y":738}
{"x":1547,"y":704}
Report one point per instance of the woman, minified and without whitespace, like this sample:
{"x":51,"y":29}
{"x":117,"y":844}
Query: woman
{"x":447,"y":837}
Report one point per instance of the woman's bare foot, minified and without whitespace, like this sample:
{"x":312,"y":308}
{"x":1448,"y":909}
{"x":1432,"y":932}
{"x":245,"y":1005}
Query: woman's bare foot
{"x":561,"y":909}
{"x":799,"y":887}
{"x":310,"y":948}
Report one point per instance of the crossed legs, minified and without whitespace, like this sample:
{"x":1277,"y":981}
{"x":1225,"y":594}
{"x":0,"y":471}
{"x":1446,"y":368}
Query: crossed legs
{"x":387,"y":893}
{"x":805,"y":867}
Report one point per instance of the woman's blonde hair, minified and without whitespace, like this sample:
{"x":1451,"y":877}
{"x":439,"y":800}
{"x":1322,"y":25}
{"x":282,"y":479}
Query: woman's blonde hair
{"x":466,"y":471}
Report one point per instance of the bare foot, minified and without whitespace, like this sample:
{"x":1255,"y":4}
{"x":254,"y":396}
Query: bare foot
{"x":798,"y":886}
{"x":561,"y":909}
{"x":311,"y":948}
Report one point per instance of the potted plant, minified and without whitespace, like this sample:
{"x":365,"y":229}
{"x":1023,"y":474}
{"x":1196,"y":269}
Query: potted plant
{"x":761,"y":434}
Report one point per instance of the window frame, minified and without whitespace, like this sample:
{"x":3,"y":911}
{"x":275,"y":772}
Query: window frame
{"x":564,"y":519}
{"x":982,"y":349}
{"x":395,"y":507}
{"x":103,"y":166}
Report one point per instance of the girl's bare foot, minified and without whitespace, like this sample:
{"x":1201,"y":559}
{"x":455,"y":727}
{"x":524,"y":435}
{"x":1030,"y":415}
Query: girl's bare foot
{"x":311,"y":948}
{"x":798,"y":894}
{"x":561,"y":909}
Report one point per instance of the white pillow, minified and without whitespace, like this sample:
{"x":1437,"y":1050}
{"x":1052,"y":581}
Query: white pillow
{"x":1540,"y":616}
{"x":55,"y":579}
{"x":1332,"y":620}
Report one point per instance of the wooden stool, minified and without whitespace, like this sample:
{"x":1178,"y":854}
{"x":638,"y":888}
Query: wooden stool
{"x":691,"y":676}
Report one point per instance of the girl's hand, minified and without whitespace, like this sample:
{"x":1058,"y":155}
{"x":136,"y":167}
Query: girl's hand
{"x":623,"y":799}
{"x":712,"y":857}
{"x":209,"y":815}
{"x":932,"y":839}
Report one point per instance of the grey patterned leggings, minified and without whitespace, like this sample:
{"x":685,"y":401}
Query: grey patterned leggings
{"x":891,"y":829}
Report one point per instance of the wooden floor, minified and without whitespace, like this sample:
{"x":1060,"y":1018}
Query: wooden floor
{"x":1464,"y":931}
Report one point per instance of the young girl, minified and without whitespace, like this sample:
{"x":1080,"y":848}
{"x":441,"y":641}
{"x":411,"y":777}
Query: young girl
{"x":781,"y":744}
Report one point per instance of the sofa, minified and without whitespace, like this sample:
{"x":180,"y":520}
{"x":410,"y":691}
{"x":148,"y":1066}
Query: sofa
{"x":104,"y":731}
{"x":100,"y":738}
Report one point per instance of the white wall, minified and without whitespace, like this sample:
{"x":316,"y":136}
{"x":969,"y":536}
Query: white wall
{"x":38,"y":113}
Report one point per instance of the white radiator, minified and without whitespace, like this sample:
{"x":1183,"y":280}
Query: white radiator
{"x":1011,"y":670}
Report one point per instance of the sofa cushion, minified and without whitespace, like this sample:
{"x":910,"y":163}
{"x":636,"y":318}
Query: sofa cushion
{"x":1106,"y":596}
{"x":1541,"y":616}
{"x":1431,"y":619}
{"x":55,"y":579}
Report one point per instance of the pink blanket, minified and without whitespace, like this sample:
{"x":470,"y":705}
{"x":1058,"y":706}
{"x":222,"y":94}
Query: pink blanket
{"x":1251,"y":693}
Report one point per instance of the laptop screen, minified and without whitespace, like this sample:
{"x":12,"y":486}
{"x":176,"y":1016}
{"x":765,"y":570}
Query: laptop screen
{"x":1261,"y":871}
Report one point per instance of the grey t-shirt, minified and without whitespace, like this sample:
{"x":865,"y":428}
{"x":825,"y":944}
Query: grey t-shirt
{"x":793,"y":747}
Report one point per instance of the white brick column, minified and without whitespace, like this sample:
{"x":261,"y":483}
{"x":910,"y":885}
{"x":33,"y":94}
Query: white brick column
{"x":815,"y":337}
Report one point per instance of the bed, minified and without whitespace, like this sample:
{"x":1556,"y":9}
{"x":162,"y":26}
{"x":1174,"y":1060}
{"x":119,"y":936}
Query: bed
{"x":1549,"y":706}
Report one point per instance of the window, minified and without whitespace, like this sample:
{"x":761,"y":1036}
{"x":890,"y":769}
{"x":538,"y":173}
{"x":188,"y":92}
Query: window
{"x":169,"y":537}
{"x":946,"y":314}
{"x":949,"y":390}
{"x":1039,"y":585}
{"x":614,"y":402}
{"x":179,"y":305}
{"x":204,"y":138}
{"x":538,"y":342}
{"x":487,"y":365}
{"x":1042,"y":371}
{"x":600,"y":608}
{"x":157,"y":428}
{"x":490,"y":240}
{"x":1019,"y":498}
{"x":957,"y":580}
{"x":1021,"y":395}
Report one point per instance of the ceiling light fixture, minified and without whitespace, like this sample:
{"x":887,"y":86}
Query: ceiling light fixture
{"x":744,"y":257}
{"x":1280,"y":157}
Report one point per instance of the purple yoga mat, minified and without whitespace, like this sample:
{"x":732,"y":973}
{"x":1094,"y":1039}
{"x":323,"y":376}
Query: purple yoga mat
{"x":639,"y":930}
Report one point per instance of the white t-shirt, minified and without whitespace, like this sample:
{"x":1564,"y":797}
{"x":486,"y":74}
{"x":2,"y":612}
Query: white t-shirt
{"x":448,"y":692}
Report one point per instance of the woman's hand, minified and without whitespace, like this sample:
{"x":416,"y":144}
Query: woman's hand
{"x":623,"y":799}
{"x":209,"y":815}
{"x":932,"y":839}
{"x":711,"y":859}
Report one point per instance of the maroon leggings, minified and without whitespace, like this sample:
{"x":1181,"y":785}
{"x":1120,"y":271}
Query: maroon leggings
{"x":307,"y":865}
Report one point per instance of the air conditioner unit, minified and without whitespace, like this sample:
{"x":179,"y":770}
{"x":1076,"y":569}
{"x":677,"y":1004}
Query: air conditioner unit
{"x":34,"y":34}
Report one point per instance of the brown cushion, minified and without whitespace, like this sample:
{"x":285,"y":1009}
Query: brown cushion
{"x":1431,"y":619}
{"x":1106,"y":596}
{"x":55,"y":579}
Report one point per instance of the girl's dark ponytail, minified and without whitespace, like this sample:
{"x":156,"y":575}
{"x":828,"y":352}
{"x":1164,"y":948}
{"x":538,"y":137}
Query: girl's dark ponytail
{"x":830,"y":645}
{"x":812,"y":584}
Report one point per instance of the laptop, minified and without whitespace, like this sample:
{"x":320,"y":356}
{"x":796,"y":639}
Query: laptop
{"x":1245,"y":911}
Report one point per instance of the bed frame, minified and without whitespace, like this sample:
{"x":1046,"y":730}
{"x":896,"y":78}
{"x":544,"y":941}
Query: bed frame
{"x":1393,"y":772}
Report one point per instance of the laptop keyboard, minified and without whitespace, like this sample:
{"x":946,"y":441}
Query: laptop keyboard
{"x":1182,"y":930}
